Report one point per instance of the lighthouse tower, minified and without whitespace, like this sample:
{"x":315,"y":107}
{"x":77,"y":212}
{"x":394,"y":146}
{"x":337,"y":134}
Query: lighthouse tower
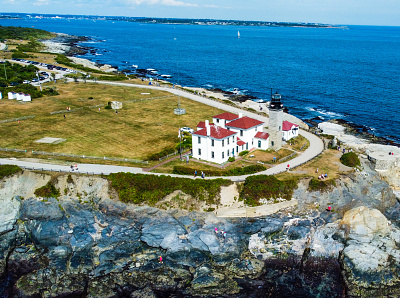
{"x":275,"y":122}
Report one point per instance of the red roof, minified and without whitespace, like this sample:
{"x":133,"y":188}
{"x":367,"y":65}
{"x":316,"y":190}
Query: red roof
{"x":261,"y":135}
{"x":202,"y":124}
{"x":216,"y":132}
{"x":240,"y":142}
{"x":244,"y":123}
{"x":227,"y":116}
{"x":286,"y":125}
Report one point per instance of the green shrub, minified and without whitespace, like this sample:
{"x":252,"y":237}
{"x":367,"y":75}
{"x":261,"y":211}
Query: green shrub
{"x":150,"y":189}
{"x":19,"y":55}
{"x":8,"y":170}
{"x":243,"y":152}
{"x":162,"y":153}
{"x":350,"y":159}
{"x":48,"y":191}
{"x":180,"y":170}
{"x":231,"y":159}
{"x":265,"y":186}
{"x":321,"y":185}
{"x":11,"y":32}
{"x":69,"y":179}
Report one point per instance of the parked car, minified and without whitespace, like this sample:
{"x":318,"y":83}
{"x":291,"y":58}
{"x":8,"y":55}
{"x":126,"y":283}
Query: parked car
{"x":26,"y":82}
{"x":187,"y":129}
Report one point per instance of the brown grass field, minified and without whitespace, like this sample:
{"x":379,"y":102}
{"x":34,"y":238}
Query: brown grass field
{"x":138,"y":130}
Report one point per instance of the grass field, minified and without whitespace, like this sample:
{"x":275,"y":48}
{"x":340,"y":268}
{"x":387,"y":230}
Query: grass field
{"x":138,"y":130}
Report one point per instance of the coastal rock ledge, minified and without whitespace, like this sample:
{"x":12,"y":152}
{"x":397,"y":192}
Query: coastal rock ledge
{"x":98,"y":247}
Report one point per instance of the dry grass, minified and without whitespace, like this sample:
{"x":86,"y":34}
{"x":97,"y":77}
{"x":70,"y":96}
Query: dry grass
{"x":138,"y":130}
{"x":327,"y":163}
{"x":168,"y":167}
{"x":267,"y":156}
{"x":297,"y":143}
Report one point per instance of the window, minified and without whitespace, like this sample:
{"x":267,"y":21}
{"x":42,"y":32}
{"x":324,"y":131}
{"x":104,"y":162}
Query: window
{"x":223,"y":155}
{"x":217,"y":120}
{"x":199,"y":151}
{"x":279,"y":128}
{"x":227,"y":152}
{"x":227,"y":141}
{"x":212,"y":143}
{"x":233,"y":139}
{"x":199,"y":140}
{"x":247,"y":146}
{"x":222,"y":143}
{"x":212,"y":154}
{"x":237,"y":149}
{"x":233,"y":151}
{"x":259,"y":144}
{"x":241,"y":133}
{"x":272,"y":143}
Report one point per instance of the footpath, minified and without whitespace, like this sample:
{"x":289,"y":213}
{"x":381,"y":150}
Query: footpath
{"x":316,"y":145}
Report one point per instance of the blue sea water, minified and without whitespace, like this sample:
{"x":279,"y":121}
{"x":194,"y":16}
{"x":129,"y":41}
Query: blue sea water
{"x":352,"y":74}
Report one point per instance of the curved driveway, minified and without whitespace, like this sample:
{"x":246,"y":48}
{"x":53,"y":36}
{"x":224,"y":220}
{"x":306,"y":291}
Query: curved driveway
{"x":315,"y":148}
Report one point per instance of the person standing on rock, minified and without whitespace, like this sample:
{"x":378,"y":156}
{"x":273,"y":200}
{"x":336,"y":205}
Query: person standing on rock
{"x":161,"y":261}
{"x":216,"y":230}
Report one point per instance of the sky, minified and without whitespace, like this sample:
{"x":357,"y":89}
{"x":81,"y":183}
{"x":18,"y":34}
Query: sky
{"x":345,"y":12}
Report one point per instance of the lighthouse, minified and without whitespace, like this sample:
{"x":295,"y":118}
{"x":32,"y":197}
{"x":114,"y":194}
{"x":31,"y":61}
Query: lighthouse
{"x":275,"y":122}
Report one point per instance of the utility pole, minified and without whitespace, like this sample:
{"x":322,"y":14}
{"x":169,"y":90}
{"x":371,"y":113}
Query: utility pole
{"x":40,"y":85}
{"x":180,"y":143}
{"x":5,"y":71}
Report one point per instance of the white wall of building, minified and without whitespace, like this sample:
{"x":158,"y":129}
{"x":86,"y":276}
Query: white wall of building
{"x":287,"y":135}
{"x":261,"y":144}
{"x":213,"y":150}
{"x":247,"y":135}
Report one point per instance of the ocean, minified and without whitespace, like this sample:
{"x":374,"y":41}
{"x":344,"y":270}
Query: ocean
{"x":351,"y":74}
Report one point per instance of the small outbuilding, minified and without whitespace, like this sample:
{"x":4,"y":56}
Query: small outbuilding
{"x":12,"y":95}
{"x":116,"y":105}
{"x":289,"y":130}
{"x":27,"y":97}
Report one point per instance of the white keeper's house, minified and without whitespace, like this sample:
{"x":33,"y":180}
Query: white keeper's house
{"x":227,"y":136}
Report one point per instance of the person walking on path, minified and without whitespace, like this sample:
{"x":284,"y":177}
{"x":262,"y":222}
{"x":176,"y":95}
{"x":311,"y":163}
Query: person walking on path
{"x":288,"y":167}
{"x":195,"y":173}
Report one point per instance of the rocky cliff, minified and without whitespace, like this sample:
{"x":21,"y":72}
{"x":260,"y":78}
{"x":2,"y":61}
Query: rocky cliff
{"x":85,"y":244}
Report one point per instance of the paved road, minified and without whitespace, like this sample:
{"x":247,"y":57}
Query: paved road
{"x":315,"y":148}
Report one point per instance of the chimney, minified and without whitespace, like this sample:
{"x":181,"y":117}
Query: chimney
{"x":208,"y":128}
{"x":240,"y":115}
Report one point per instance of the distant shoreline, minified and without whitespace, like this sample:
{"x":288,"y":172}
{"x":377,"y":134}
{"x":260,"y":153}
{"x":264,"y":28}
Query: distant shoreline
{"x":175,"y":21}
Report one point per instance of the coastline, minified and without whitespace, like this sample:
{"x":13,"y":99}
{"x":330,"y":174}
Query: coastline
{"x":63,"y":43}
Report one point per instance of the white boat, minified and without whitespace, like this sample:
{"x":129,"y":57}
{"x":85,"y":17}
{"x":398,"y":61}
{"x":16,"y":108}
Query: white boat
{"x":238,"y":34}
{"x":166,"y":76}
{"x":135,"y":66}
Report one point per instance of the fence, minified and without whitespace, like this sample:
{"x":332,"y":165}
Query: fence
{"x":169,"y":155}
{"x":75,"y":156}
{"x":287,"y":157}
{"x":17,"y":119}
